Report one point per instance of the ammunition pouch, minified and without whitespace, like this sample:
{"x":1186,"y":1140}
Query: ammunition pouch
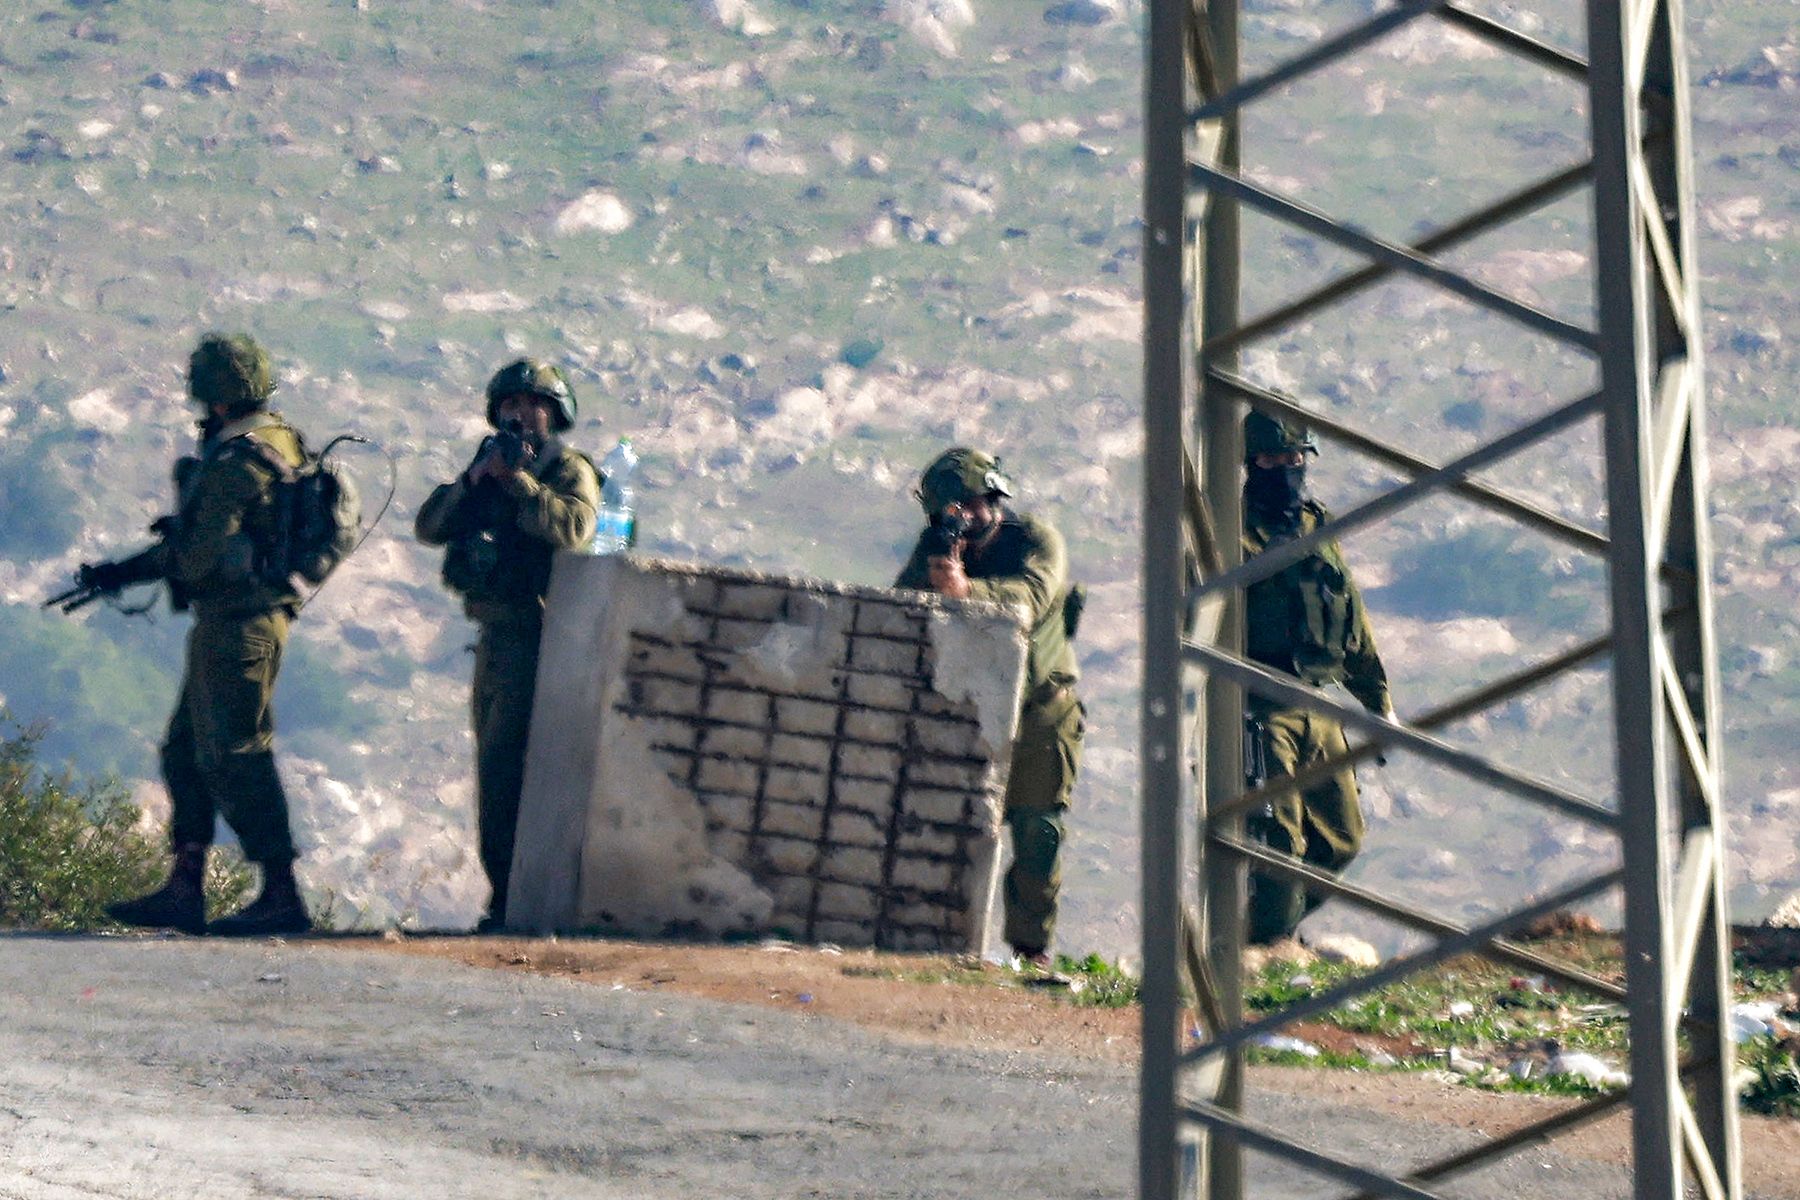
{"x":1074,"y":604}
{"x":472,"y":563}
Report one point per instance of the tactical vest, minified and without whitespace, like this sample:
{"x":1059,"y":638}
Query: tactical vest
{"x":1300,"y":621}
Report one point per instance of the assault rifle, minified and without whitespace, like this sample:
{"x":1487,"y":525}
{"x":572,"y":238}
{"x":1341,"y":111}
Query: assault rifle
{"x":944,"y":537}
{"x":99,"y":581}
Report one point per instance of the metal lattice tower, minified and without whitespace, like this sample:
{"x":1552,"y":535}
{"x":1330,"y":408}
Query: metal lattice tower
{"x":1645,"y":344}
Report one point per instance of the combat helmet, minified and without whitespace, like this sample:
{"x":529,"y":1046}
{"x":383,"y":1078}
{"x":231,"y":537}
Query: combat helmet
{"x":958,"y":475}
{"x":232,"y":370}
{"x":532,"y":377}
{"x":1264,"y":434}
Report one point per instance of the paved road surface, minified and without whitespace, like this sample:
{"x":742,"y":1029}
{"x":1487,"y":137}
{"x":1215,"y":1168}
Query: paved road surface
{"x":190,"y":1069}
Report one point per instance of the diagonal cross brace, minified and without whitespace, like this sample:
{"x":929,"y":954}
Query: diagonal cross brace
{"x":1391,"y":253}
{"x":1276,"y":558}
{"x":1294,"y":694}
{"x":1321,"y":55}
{"x":1473,"y":939}
{"x":1248,"y":1133}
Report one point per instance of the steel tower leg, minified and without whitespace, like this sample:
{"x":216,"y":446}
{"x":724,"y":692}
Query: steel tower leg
{"x":1667,"y":810}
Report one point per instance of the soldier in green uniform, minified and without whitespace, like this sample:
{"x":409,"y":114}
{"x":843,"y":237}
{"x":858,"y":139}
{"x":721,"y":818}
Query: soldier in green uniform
{"x":525,"y":496}
{"x":975,"y":547}
{"x":1308,"y":621}
{"x":218,"y":758}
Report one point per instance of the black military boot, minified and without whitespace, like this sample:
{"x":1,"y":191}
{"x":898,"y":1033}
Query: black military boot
{"x":278,"y":909}
{"x":178,"y":904}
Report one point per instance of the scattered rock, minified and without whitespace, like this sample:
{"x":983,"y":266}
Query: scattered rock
{"x":40,"y":147}
{"x":1565,"y":923}
{"x":600,"y":211}
{"x":1084,"y":12}
{"x":1287,"y":950}
{"x":210,"y":82}
{"x":735,"y":16}
{"x":860,"y":352}
{"x":931,"y":22}
{"x":1344,"y":948}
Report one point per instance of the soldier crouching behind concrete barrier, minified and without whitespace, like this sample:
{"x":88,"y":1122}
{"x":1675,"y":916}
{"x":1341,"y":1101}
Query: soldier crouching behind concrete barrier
{"x":973,"y":546}
{"x":219,"y":754}
{"x":524,"y":496}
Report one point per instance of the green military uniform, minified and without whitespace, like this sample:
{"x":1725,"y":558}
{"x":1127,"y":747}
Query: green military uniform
{"x":1026,"y":566}
{"x":218,"y":757}
{"x":502,"y":539}
{"x":1307,"y":621}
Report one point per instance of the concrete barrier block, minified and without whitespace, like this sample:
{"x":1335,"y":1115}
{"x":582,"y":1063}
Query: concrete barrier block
{"x":751,"y":754}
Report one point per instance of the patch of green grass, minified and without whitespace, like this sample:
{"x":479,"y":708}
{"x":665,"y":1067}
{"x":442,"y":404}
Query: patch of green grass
{"x":1774,"y":1087}
{"x":68,"y":848}
{"x":1102,"y":984}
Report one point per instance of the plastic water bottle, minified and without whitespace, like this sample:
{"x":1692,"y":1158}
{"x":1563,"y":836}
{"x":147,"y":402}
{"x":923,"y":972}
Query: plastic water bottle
{"x":616,"y":529}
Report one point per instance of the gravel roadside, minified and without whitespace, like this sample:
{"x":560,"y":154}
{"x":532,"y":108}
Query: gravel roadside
{"x":134,"y":1067}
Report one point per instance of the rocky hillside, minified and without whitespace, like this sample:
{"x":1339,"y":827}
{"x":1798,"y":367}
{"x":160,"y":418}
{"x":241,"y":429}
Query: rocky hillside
{"x":793,"y":248}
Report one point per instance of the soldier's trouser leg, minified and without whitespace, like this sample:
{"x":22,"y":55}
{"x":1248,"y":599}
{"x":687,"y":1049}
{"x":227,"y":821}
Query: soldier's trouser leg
{"x":1045,"y":759}
{"x":506,"y":658}
{"x":1322,"y":825}
{"x":219,"y":756}
{"x":192,"y":810}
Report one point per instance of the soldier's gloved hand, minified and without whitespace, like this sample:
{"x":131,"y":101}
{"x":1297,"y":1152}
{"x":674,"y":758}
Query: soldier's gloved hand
{"x":101,"y":577}
{"x":481,"y":465}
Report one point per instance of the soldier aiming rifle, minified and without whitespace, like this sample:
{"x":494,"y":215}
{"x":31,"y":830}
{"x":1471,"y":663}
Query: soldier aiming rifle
{"x":975,"y":546}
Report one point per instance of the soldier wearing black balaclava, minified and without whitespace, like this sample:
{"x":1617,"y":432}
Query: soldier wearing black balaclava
{"x":1308,"y":621}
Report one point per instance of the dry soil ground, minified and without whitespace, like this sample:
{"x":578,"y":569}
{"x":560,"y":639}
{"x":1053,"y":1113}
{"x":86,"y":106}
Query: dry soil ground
{"x":174,"y":1067}
{"x":861,"y":987}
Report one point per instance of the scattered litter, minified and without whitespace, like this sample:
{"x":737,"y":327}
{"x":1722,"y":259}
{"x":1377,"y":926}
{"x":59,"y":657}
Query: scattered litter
{"x":1302,"y":980}
{"x":1381,"y":1058}
{"x":1596,"y":1071}
{"x":1462,"y":1064}
{"x":777,"y":946}
{"x":552,"y":1012}
{"x":1281,"y":1041}
{"x":1461,"y":1010}
{"x":576,"y":1033}
{"x":805,"y":997}
{"x":269,"y":978}
{"x":1521,"y":1068}
{"x":829,"y":948}
{"x":1755,"y":1019}
{"x":88,"y":993}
